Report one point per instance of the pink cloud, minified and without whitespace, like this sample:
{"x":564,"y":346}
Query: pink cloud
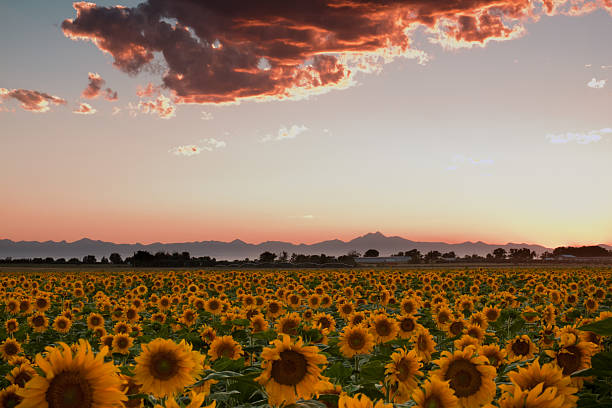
{"x":84,"y":109}
{"x":94,"y":88}
{"x":33,"y":101}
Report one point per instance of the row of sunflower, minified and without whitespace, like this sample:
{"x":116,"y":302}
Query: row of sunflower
{"x":491,"y":337}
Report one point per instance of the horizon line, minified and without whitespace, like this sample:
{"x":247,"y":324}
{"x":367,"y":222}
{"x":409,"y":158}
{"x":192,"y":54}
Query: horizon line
{"x":293,"y":243}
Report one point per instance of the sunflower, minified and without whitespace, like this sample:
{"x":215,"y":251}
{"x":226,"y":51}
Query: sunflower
{"x":424,"y":344}
{"x":208,"y":334}
{"x":189,"y":317}
{"x":21,"y":374}
{"x":10,"y":348}
{"x":492,"y":313}
{"x":274,"y":309}
{"x":521,"y":348}
{"x":214,"y":306}
{"x":528,"y":378}
{"x":470,"y":376}
{"x":360,"y":401}
{"x":345,"y":309}
{"x":496,"y":356}
{"x":11,"y":325}
{"x":289,"y":323}
{"x":573,"y":354}
{"x":357,"y":318}
{"x":435,"y":394}
{"x":409,"y":306}
{"x":535,"y":398}
{"x":383,"y":328}
{"x":9,"y":397}
{"x":73,"y":379}
{"x":258,"y":324}
{"x":290,"y":370}
{"x":62,"y":324}
{"x":38,"y":322}
{"x":165,"y":368}
{"x":401,"y":374}
{"x":355,"y":340}
{"x":326,"y":321}
{"x":407,"y":325}
{"x":466,"y":341}
{"x":455,"y":326}
{"x":196,"y":402}
{"x":122,"y":343}
{"x":225,"y":346}
{"x":95,"y":320}
{"x":107,"y":340}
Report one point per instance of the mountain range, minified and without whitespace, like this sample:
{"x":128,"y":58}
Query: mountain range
{"x":238,"y":249}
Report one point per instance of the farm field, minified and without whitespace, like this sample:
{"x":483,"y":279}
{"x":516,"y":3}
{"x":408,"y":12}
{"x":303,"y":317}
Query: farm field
{"x":435,"y":338}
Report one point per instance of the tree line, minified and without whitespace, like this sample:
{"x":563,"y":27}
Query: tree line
{"x":184,"y":259}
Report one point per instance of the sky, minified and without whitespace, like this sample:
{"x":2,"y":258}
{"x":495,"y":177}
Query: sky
{"x":172,"y":121}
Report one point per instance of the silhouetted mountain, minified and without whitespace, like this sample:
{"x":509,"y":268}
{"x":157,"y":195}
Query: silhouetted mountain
{"x":238,"y":249}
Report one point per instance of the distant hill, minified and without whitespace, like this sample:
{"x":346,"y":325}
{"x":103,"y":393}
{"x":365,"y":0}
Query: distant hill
{"x":238,"y":249}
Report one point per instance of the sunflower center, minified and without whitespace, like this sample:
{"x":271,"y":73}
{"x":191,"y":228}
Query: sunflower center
{"x":325,"y":322}
{"x":38,"y":321}
{"x":225,"y":350}
{"x":289,"y":327}
{"x":407,"y":325}
{"x":290,"y":369}
{"x":95,"y":321}
{"x":383,"y":328}
{"x":569,"y":360}
{"x":69,"y":390}
{"x":273,"y":307}
{"x":456,"y":328}
{"x":164,"y":366}
{"x":11,"y":400}
{"x":356,"y":341}
{"x":432,"y":402}
{"x":520,"y":347}
{"x":10,"y":349}
{"x":122,"y":342}
{"x":346,"y":309}
{"x":22,"y":378}
{"x":405,"y":369}
{"x":357,"y":319}
{"x":464,"y":378}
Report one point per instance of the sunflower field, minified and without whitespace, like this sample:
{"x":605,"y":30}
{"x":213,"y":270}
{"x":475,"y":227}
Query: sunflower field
{"x":433,"y":338}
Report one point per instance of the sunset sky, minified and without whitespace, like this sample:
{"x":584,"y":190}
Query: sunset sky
{"x":177,"y":121}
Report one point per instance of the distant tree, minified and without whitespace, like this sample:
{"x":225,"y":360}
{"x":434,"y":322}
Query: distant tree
{"x":400,"y":253}
{"x":353,"y":254}
{"x":115,"y":258}
{"x":371,"y":253}
{"x":89,"y":259}
{"x":521,"y":255}
{"x":499,"y":254}
{"x":104,"y":260}
{"x":283,"y":257}
{"x":60,"y":261}
{"x":415,"y":254}
{"x":450,"y":254}
{"x":585,"y":251}
{"x":49,"y":260}
{"x":546,"y":255}
{"x":267,"y":257}
{"x":74,"y":261}
{"x":432,"y":256}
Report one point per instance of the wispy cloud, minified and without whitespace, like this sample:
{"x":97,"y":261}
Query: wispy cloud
{"x":596,"y":84}
{"x":580,"y":138}
{"x":284,"y":133}
{"x":33,"y":101}
{"x":187,"y":150}
{"x":303,"y":217}
{"x":84,"y":109}
{"x":206,"y":115}
{"x":606,"y":67}
{"x":208,"y":145}
{"x":459,"y":161}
